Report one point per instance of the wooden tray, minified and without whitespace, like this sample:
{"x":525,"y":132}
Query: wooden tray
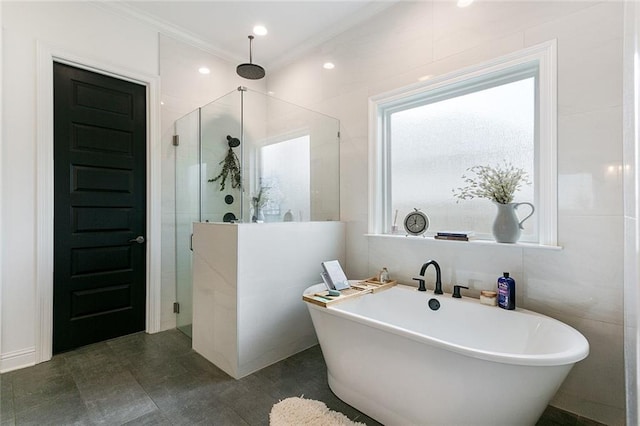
{"x":370,"y":285}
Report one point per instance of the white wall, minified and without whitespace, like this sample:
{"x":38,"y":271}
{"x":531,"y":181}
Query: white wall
{"x":237,"y":276}
{"x":85,"y":31}
{"x":582,"y":284}
{"x":631,"y":151}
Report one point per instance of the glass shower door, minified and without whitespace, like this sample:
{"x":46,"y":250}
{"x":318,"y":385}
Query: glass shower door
{"x":187,"y":211}
{"x":287,"y":161}
{"x":221,"y":121}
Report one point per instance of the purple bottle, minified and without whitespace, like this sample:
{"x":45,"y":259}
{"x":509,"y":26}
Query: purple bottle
{"x":506,"y":292}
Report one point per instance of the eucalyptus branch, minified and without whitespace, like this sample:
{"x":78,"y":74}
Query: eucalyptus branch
{"x":230,"y":169}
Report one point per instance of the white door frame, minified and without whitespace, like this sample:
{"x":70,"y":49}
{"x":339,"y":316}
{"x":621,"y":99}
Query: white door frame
{"x":45,"y":196}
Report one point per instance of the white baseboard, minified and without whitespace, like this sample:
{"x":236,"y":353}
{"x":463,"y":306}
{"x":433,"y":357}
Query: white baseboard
{"x":17,"y":359}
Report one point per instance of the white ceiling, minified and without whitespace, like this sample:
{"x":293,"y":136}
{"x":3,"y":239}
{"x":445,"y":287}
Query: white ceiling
{"x":222,"y":27}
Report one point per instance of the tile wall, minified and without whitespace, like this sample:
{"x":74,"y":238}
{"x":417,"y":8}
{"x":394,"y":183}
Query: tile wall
{"x":631,"y":96}
{"x":582,"y":284}
{"x":247,"y":297}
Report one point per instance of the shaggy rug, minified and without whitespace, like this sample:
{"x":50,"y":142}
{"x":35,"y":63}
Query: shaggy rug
{"x":299,"y":411}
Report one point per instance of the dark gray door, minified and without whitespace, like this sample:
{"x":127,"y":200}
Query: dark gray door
{"x":100,"y":207}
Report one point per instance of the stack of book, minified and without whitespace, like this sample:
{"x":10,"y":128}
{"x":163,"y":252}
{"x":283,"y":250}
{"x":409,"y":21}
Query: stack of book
{"x":455,"y":235}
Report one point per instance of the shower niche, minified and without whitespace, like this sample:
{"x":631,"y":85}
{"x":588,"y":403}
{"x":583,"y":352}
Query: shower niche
{"x":248,"y":157}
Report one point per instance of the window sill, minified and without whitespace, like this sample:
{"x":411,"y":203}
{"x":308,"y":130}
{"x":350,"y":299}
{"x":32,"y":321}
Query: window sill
{"x":430,"y":240}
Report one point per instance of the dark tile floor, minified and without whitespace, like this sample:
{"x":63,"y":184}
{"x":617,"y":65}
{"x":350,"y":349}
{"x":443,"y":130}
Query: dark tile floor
{"x":157,"y":379}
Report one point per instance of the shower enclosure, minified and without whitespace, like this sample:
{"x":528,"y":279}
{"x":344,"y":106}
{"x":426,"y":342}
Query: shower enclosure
{"x":250,"y":157}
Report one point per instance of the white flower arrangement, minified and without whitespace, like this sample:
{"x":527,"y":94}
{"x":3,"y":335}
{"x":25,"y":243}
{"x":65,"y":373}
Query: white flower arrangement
{"x":498,"y":183}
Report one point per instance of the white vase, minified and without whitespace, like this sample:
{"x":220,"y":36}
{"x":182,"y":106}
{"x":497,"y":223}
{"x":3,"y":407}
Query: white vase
{"x":507,"y":226}
{"x":258,"y":216}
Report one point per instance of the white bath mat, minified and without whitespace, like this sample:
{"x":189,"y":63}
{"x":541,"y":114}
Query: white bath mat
{"x":299,"y":411}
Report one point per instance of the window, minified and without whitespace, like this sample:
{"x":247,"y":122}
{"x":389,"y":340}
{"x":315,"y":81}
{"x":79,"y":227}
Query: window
{"x":285,"y":171}
{"x":427,"y":136}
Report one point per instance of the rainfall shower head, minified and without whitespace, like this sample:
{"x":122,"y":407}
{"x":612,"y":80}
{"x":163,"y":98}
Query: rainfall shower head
{"x":250,"y":70}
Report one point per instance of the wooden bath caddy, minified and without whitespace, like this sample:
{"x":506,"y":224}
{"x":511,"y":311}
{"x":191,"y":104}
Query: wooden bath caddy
{"x":370,"y":285}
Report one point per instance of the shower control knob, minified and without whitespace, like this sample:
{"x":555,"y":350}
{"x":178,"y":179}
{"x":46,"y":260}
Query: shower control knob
{"x":139,"y":239}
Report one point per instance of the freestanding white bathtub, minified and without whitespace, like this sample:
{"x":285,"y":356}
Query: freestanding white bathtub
{"x":395,"y":359}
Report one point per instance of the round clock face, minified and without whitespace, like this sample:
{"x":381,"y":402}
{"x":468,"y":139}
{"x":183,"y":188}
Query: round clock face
{"x":416,"y":223}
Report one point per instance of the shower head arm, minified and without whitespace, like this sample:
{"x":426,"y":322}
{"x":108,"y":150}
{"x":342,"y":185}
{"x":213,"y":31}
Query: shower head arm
{"x":250,"y":49}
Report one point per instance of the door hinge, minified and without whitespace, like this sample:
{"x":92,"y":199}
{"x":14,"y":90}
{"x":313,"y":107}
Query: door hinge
{"x":176,"y":140}
{"x":176,"y":308}
{"x":338,"y":135}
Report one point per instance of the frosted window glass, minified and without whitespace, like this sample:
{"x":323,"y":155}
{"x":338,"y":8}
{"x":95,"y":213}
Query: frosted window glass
{"x":285,"y":170}
{"x":433,"y":145}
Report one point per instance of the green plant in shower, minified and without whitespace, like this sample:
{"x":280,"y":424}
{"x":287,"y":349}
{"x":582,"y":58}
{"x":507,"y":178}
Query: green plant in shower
{"x":230,"y":170}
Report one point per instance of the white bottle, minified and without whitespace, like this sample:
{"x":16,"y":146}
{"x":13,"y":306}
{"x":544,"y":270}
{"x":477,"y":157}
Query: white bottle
{"x":384,"y":275}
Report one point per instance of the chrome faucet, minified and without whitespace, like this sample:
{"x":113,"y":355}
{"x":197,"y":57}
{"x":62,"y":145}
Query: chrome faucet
{"x":438,"y":289}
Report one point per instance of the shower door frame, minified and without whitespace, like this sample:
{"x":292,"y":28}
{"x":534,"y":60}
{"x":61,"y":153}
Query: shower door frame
{"x":179,"y":305}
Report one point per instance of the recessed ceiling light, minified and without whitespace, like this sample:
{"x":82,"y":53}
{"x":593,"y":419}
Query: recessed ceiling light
{"x":204,"y":70}
{"x":328,"y":66}
{"x":425,"y":77}
{"x":464,"y":3}
{"x":260,"y":30}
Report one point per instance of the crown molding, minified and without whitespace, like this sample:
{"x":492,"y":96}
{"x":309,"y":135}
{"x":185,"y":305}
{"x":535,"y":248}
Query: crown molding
{"x":373,"y":8}
{"x":179,"y":33}
{"x":121,"y":9}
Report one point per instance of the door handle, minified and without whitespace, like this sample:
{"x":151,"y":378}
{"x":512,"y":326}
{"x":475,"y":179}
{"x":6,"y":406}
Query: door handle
{"x":139,"y":239}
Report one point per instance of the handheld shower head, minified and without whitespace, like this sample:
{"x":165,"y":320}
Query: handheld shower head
{"x":233,"y":142}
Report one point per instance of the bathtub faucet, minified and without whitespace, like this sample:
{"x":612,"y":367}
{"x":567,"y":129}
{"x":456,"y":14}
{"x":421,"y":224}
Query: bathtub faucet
{"x":438,"y":289}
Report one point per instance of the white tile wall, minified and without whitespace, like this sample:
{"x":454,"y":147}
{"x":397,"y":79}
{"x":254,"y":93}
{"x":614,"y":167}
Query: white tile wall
{"x":581,"y":284}
{"x":631,"y":304}
{"x":589,"y":56}
{"x":589,"y":164}
{"x":215,"y":326}
{"x":259,"y":289}
{"x":591,"y":389}
{"x":458,"y":30}
{"x":585,"y":278}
